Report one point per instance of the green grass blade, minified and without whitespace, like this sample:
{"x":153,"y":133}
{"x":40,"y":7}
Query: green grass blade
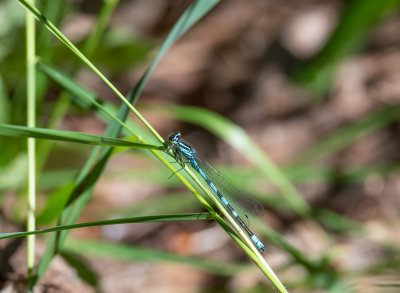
{"x":143,"y":219}
{"x":70,"y":136}
{"x":237,"y":138}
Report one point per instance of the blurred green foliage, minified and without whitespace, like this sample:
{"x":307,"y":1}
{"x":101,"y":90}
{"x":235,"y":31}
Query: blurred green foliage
{"x":357,"y":19}
{"x":69,"y":189}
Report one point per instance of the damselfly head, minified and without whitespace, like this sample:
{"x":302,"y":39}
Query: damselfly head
{"x":174,"y":137}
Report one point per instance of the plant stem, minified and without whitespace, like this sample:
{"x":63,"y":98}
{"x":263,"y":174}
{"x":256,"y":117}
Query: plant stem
{"x":31,"y":121}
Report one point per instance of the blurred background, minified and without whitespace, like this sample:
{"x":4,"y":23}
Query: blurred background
{"x":314,"y":84}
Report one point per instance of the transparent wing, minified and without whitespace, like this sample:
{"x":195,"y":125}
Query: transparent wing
{"x":240,"y":201}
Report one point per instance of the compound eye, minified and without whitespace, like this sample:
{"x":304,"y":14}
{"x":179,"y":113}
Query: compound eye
{"x":174,"y":137}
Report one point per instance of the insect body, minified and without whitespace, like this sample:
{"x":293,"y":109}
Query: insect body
{"x":226,"y":191}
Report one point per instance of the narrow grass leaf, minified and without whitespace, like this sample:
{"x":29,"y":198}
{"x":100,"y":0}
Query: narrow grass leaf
{"x":70,"y":136}
{"x":143,"y":219}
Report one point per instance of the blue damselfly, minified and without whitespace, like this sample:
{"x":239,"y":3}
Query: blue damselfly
{"x":232,"y":198}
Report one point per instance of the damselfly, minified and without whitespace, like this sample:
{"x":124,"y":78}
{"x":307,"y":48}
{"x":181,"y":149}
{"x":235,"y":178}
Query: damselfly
{"x":232,"y":198}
